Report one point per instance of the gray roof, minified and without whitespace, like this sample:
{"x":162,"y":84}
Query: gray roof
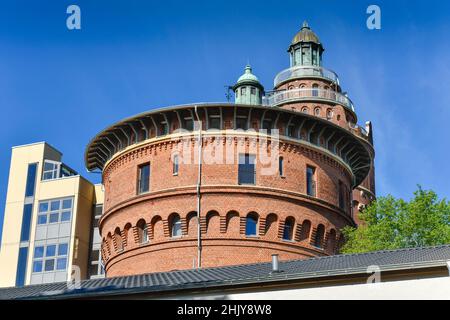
{"x":389,"y":260}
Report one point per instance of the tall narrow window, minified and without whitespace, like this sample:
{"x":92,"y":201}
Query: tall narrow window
{"x":251,"y":225}
{"x":176,"y":226}
{"x":310,"y":181}
{"x":144,"y":178}
{"x":31,"y":179}
{"x":175,"y":165}
{"x":267,"y":125}
{"x":341,"y":191}
{"x":246,"y":174}
{"x":320,"y":232}
{"x":288,"y":232}
{"x":142,"y":231}
{"x":26,"y":222}
{"x":189,"y":124}
{"x":315,"y":90}
{"x":281,"y":166}
{"x":21,"y":266}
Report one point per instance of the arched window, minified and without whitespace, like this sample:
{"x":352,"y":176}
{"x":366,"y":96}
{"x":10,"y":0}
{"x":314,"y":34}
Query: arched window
{"x":306,"y":229}
{"x":315,"y":90}
{"x":305,"y":110}
{"x":317,"y":111}
{"x":118,"y":239}
{"x":331,"y":243}
{"x":251,"y":225}
{"x":288,"y":232}
{"x":318,"y":240}
{"x":271,"y":225}
{"x":142,"y":231}
{"x":176,"y":226}
{"x":329,"y":114}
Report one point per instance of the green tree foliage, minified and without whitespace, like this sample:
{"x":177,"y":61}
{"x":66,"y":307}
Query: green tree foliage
{"x":390,"y":223}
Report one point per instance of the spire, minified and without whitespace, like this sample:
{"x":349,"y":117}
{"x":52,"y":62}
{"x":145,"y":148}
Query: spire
{"x":305,"y":25}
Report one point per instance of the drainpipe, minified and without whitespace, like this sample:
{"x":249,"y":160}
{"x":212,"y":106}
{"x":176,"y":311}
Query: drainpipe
{"x":199,"y":183}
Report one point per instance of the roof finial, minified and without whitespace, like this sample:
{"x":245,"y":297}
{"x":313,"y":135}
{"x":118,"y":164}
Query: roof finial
{"x":305,"y":25}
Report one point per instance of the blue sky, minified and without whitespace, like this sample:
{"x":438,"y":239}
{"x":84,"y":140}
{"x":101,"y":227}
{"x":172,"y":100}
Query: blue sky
{"x":64,"y":86}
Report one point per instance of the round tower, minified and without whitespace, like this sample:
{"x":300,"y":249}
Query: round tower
{"x":258,"y":195}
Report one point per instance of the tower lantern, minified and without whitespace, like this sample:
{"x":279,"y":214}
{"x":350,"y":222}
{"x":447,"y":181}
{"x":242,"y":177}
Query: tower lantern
{"x":306,"y":48}
{"x":248,"y":89}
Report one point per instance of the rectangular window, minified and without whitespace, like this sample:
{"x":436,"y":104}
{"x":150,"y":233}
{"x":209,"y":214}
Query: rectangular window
{"x":31,"y":180}
{"x":246,"y":174}
{"x":310,"y":181}
{"x":21,"y":266}
{"x":280,"y":166}
{"x":341,"y":195}
{"x":26,"y":222}
{"x":290,"y":131}
{"x":54,"y":211}
{"x":144,"y":178}
{"x":164,"y":128}
{"x":51,"y":170}
{"x":214,"y":122}
{"x":175,"y":165}
{"x":253,"y":90}
{"x":267,"y":125}
{"x":50,"y":258}
{"x":241,"y":123}
{"x":189,"y":124}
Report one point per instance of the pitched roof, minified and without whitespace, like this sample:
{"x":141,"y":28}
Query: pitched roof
{"x":238,"y":275}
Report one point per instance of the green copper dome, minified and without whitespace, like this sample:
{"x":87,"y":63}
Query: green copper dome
{"x":305,"y":35}
{"x":248,"y":76}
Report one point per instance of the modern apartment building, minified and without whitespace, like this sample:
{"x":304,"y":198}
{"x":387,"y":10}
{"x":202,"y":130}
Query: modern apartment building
{"x":49,"y":228}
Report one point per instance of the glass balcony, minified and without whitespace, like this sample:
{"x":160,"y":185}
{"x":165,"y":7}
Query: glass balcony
{"x":305,"y":71}
{"x":276,"y":98}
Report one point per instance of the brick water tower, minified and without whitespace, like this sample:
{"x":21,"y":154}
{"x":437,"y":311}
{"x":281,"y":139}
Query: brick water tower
{"x":319,"y":174}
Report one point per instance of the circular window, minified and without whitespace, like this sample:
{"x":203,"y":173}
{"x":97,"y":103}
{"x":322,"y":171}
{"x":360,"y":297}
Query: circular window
{"x":305,"y":110}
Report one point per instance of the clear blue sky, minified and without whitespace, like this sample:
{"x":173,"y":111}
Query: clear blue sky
{"x":64,"y":86}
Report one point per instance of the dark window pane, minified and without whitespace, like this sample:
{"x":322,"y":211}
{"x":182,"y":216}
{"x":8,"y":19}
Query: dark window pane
{"x":280,"y":166}
{"x":21,"y":267}
{"x":26,"y":222}
{"x":246,"y":174}
{"x":93,"y":270}
{"x":95,"y":255}
{"x":189,"y":124}
{"x":250,"y":226}
{"x":54,"y":217}
{"x":288,"y":231}
{"x":214,"y":123}
{"x":31,"y":180}
{"x":144,"y":178}
{"x":241,"y":123}
{"x":49,"y":265}
{"x":310,"y":182}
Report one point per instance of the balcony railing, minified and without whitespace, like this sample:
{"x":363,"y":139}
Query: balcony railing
{"x":305,"y":71}
{"x":276,"y":98}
